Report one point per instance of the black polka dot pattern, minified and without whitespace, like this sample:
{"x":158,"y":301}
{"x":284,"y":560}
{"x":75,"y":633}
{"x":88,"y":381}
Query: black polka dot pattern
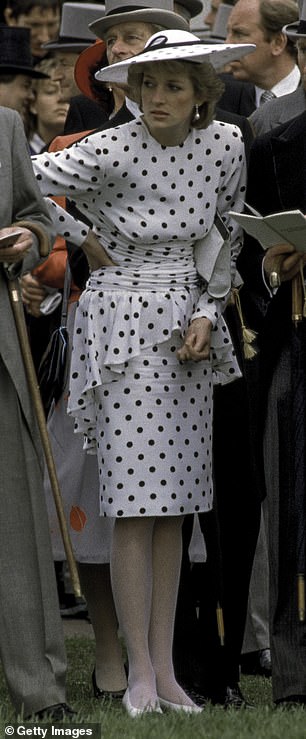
{"x":148,"y":191}
{"x":147,"y":416}
{"x":155,"y":441}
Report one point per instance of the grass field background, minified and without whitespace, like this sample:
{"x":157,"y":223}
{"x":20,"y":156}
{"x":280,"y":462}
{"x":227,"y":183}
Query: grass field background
{"x":265,"y":722}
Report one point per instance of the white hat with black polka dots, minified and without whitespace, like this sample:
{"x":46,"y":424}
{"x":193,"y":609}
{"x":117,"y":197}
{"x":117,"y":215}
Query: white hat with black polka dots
{"x":173,"y":44}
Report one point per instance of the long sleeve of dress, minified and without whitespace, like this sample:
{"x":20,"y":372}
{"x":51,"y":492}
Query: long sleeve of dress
{"x":230,"y":197}
{"x":137,"y":193}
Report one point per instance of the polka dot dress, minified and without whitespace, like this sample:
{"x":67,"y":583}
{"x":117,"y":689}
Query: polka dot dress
{"x":154,"y":436}
{"x":146,"y":415}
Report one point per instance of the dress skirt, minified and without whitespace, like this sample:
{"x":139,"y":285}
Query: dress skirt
{"x":154,"y":436}
{"x":146,"y":415}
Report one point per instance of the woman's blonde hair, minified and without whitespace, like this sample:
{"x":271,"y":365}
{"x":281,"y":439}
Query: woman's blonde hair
{"x":202,"y":75}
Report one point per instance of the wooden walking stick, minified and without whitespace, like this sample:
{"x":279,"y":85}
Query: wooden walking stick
{"x":18,"y":312}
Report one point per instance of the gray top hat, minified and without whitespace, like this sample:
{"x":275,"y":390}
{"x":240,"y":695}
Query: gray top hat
{"x":298,"y":29}
{"x":141,"y":11}
{"x":15,"y":52}
{"x":219,"y":29}
{"x":74,"y":34}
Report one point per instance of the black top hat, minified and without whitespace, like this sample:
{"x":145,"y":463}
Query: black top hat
{"x":193,"y":7}
{"x":15,"y":52}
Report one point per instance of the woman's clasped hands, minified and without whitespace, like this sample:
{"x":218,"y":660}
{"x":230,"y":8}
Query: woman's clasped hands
{"x":196,"y":345}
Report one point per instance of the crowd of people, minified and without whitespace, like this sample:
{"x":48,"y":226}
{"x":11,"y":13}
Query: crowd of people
{"x":128,"y":139}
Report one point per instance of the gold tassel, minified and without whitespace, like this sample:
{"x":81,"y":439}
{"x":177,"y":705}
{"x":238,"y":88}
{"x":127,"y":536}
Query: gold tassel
{"x":249,"y":351}
{"x":248,"y":335}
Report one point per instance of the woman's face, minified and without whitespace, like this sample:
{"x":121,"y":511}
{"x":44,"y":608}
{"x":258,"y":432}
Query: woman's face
{"x":49,"y":105}
{"x":168,"y":102}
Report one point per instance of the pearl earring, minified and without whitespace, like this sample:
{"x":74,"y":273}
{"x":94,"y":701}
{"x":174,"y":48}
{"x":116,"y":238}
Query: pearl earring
{"x":196,"y":116}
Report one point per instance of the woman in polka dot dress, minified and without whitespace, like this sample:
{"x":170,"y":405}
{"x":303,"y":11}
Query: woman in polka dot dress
{"x":149,"y":337}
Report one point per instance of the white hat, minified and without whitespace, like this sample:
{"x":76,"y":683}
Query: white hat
{"x":138,"y":11}
{"x":167,"y":45}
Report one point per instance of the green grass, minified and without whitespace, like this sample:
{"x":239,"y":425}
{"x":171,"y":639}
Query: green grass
{"x":265,"y":722}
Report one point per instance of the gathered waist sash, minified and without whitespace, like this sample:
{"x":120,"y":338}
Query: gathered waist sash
{"x":148,"y":276}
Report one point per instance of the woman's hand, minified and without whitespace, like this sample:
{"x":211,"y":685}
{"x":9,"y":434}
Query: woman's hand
{"x":95,"y":253}
{"x":196,"y":344}
{"x":32,"y":293}
{"x":16,"y":252}
{"x":284,"y":260}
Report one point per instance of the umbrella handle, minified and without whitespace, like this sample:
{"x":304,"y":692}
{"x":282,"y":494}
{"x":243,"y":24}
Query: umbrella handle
{"x":297,"y":298}
{"x":39,"y":232}
{"x":18,"y":311}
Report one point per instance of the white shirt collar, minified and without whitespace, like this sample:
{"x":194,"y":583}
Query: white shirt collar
{"x":132,"y":107}
{"x":284,"y":87}
{"x":36,"y":143}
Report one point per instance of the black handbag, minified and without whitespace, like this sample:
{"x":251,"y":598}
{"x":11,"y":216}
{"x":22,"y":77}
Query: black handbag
{"x":53,"y":368}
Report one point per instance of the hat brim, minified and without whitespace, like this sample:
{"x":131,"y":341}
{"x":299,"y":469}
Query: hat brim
{"x":27,"y":71}
{"x":65,"y":45}
{"x":292,"y":30}
{"x":217,"y":55}
{"x":164,"y":18}
{"x":87,"y":59}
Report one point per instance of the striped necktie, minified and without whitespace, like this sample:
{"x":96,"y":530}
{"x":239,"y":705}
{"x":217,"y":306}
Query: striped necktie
{"x":265,"y":96}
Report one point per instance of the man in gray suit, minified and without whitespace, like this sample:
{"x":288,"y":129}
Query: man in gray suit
{"x":31,"y":640}
{"x":278,"y":111}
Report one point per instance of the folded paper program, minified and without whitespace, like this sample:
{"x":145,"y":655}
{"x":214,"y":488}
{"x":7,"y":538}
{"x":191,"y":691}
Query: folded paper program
{"x":278,"y":228}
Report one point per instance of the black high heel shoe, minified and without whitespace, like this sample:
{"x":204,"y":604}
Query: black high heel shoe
{"x":112,"y":695}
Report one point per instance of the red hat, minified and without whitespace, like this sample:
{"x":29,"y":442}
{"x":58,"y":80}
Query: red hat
{"x":85,"y":61}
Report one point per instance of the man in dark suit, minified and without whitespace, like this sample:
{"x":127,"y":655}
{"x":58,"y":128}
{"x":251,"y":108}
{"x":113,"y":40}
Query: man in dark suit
{"x":277,"y":182}
{"x":271,"y":68}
